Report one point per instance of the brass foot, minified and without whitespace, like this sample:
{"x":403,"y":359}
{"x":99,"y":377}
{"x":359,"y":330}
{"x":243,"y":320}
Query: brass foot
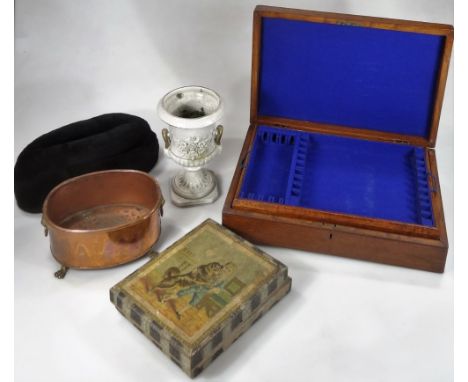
{"x":60,"y":274}
{"x":152,"y":254}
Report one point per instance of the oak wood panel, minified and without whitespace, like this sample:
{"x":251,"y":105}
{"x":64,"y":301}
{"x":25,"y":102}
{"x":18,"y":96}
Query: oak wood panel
{"x":355,"y":20}
{"x":256,"y":40}
{"x":436,"y":195}
{"x":335,"y":218}
{"x":440,"y":88}
{"x":417,"y":253}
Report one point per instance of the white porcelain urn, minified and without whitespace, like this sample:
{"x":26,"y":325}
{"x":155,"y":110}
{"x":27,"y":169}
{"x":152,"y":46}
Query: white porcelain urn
{"x":192,"y":139}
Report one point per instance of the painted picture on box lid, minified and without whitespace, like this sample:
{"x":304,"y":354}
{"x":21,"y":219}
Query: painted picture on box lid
{"x":203,"y":280}
{"x":200,"y":280}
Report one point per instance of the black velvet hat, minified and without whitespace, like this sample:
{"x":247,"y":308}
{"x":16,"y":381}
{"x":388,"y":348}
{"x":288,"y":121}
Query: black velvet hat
{"x":109,"y":141}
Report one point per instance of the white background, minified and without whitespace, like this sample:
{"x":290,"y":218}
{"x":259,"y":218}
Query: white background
{"x":344,"y":320}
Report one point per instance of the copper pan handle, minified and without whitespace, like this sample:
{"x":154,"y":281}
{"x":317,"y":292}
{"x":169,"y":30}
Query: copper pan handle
{"x":161,"y":205}
{"x":46,"y":229}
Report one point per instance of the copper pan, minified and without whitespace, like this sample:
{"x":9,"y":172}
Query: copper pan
{"x":102,"y":219}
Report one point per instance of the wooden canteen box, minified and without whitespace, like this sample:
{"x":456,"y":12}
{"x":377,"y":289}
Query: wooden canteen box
{"x":339,"y":157}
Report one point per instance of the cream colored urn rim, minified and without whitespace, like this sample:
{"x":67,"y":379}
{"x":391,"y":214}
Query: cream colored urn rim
{"x":190,"y":123}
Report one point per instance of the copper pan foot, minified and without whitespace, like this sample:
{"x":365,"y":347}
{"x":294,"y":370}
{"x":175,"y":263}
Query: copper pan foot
{"x":60,"y":274}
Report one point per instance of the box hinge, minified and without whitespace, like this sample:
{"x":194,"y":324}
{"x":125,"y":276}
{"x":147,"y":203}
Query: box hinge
{"x":400,"y":141}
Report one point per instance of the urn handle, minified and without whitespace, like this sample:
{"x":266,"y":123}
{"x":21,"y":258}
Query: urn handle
{"x":166,"y":137}
{"x":218,"y":134}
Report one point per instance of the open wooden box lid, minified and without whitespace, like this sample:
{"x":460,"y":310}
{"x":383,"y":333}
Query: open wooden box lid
{"x":338,"y":158}
{"x":365,"y":77}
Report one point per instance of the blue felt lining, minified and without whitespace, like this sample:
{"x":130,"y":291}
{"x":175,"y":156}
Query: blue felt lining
{"x":337,"y":174}
{"x":348,"y":75}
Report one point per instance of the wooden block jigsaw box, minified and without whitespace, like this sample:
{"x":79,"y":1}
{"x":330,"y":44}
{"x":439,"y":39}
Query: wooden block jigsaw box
{"x":339,"y":156}
{"x":200,"y":294}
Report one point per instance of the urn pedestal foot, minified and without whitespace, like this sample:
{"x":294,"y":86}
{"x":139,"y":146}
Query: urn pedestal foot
{"x":192,"y":188}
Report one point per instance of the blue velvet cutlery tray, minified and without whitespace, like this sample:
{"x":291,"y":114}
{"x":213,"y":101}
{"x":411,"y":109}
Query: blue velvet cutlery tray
{"x":339,"y":174}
